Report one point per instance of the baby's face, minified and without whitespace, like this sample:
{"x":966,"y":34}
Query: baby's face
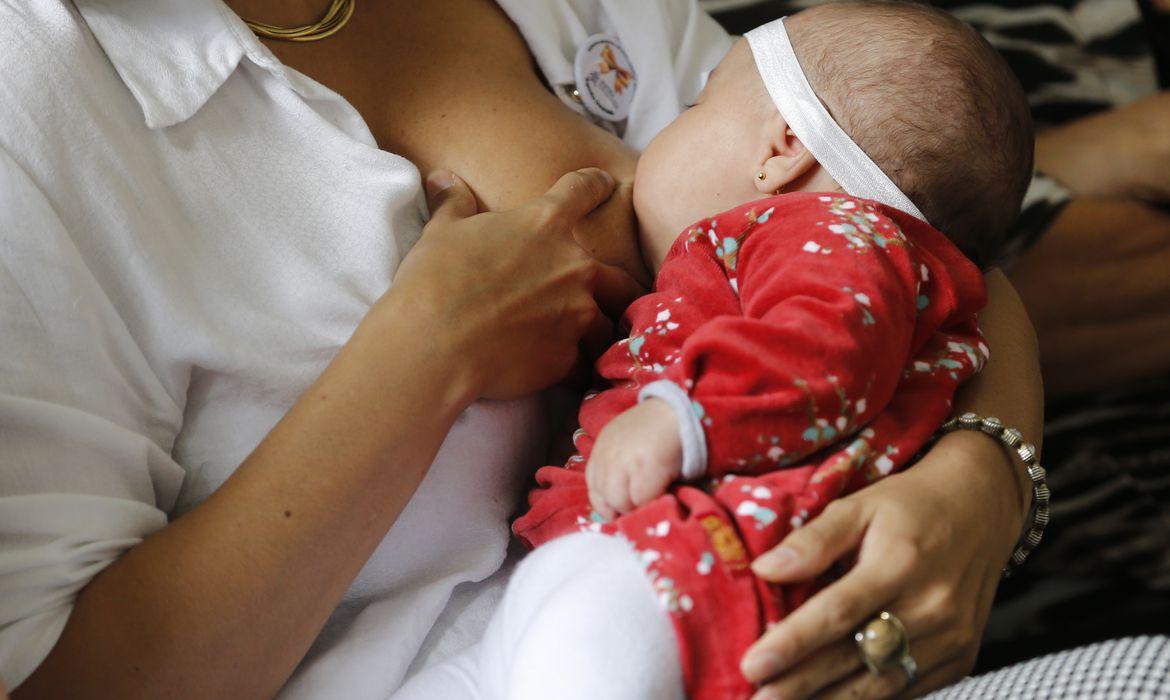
{"x":705,"y":161}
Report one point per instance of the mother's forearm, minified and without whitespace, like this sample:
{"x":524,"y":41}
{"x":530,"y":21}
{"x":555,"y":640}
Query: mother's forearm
{"x":1009,"y":387}
{"x":226,"y":600}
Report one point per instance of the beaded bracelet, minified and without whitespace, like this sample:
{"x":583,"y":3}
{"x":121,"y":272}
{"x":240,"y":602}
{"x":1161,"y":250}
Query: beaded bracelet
{"x":1014,"y":442}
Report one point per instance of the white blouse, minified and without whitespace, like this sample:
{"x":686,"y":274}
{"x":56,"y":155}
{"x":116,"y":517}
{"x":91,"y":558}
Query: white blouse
{"x":189,"y":231}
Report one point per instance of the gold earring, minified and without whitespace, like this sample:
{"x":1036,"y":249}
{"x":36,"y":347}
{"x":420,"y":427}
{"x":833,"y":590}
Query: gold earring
{"x":761,"y":176}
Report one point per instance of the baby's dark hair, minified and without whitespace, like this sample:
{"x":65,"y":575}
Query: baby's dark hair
{"x":932,"y":103}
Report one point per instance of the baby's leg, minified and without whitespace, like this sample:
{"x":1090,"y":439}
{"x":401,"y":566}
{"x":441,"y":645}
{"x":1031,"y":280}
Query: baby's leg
{"x":579,"y":622}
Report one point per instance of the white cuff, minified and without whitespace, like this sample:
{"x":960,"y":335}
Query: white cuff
{"x":690,"y":430}
{"x":51,"y":546}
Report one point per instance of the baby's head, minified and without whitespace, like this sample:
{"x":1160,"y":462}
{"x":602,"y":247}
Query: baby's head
{"x":921,"y":93}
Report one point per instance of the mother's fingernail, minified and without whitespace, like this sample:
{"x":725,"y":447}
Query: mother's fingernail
{"x":439,"y":181}
{"x":758,"y":665}
{"x":603,"y":174}
{"x":775,"y":561}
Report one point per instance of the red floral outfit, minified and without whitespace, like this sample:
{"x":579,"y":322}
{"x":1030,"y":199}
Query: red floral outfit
{"x":820,"y":339}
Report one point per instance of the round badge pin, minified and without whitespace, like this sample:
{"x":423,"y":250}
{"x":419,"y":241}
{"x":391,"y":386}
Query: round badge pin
{"x":605,"y":77}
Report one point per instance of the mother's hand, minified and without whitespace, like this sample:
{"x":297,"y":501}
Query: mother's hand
{"x":928,"y":542}
{"x":929,"y":545}
{"x":512,"y":290}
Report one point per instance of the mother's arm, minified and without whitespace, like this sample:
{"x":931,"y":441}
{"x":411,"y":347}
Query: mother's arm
{"x":966,"y":486}
{"x":225,"y":601}
{"x":929,"y":542}
{"x":510,"y":136}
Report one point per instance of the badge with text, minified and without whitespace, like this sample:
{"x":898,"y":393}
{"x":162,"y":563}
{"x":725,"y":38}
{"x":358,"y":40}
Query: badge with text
{"x":605,"y":78}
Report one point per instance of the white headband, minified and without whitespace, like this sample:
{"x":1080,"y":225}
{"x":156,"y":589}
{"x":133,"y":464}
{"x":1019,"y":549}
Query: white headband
{"x":814,"y":126}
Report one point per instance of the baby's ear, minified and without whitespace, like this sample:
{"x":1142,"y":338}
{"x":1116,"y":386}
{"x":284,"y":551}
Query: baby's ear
{"x":787,"y":163}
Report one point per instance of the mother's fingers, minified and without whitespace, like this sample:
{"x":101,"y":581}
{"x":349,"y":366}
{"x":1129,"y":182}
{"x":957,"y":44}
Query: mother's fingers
{"x":829,"y":616}
{"x":809,"y":551}
{"x":933,"y":637}
{"x":866,"y":685}
{"x":598,"y":336}
{"x":825,"y":667}
{"x":933,"y":673}
{"x":941,"y":676}
{"x":615,"y":289}
{"x":942,"y":646}
{"x":832,"y":614}
{"x":574,"y":196}
{"x":449,"y":197}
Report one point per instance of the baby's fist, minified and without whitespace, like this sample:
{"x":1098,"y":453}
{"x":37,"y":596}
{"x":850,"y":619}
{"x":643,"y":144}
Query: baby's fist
{"x":635,"y":458}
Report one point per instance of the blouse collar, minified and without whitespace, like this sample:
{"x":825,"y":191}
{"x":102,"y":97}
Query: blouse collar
{"x":173,"y":55}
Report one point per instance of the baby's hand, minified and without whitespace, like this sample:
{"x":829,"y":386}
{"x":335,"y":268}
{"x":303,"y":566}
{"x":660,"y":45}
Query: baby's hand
{"x":636,"y":456}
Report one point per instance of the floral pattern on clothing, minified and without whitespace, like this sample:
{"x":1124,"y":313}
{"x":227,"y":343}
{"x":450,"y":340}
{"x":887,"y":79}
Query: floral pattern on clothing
{"x":860,"y":224}
{"x":797,"y":326}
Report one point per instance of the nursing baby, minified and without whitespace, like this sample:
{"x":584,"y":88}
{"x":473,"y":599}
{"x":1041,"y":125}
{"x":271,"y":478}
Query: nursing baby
{"x":867,"y":159}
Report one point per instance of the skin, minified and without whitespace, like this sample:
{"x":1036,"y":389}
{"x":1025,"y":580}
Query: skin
{"x":909,"y":546}
{"x":139,"y":630}
{"x":736,"y":132}
{"x":338,"y":469}
{"x":447,"y":43}
{"x":1096,"y":283}
{"x":1140,"y":132}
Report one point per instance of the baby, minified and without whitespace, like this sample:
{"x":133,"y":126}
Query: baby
{"x":803,"y":343}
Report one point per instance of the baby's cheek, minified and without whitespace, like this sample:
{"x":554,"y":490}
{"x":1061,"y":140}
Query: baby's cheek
{"x":681,"y":177}
{"x":657,"y":218}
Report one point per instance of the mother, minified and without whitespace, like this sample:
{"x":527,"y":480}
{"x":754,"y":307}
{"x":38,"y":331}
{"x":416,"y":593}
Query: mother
{"x":196,"y":248}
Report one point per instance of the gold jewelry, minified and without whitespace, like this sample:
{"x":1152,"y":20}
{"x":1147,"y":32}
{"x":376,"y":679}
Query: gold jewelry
{"x":883,"y":644}
{"x":330,"y":23}
{"x":761,"y":176}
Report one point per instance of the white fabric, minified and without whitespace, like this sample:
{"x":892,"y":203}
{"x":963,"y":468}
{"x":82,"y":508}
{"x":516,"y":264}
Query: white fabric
{"x":168,"y":292}
{"x":814,"y":126}
{"x":579,"y":621}
{"x":1131,"y":668}
{"x":189,"y":231}
{"x":690,"y":430}
{"x":671,"y":43}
